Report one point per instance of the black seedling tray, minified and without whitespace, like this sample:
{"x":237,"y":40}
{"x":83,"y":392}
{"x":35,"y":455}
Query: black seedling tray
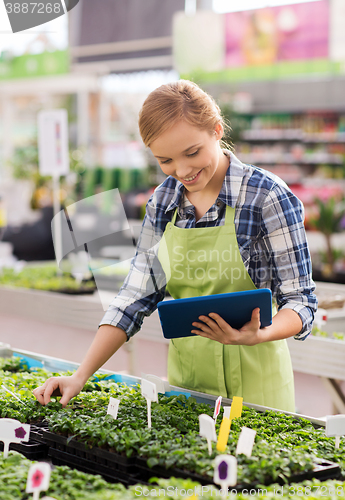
{"x":323,"y":470}
{"x":96,"y":456}
{"x":59,"y":457}
{"x":31,"y":450}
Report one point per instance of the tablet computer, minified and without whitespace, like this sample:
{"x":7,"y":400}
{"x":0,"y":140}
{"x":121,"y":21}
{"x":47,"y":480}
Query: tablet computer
{"x":177,"y":315}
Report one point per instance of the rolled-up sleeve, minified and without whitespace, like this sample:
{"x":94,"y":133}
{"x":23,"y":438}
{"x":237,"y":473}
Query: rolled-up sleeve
{"x":285,"y":244}
{"x":144,"y":285}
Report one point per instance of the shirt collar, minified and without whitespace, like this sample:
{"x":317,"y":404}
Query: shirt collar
{"x":229,"y":191}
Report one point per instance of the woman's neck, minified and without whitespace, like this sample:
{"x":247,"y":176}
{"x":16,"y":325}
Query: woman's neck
{"x":203,"y":200}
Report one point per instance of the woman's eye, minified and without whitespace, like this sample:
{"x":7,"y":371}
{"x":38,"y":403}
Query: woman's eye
{"x":194,"y":154}
{"x":165,"y":162}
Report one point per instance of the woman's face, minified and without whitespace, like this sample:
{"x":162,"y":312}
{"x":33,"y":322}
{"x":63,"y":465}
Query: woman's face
{"x":189,"y":154}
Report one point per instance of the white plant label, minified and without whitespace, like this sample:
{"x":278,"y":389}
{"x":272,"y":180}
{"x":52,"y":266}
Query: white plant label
{"x":38,"y":479}
{"x":335,"y":427}
{"x":207,"y":429}
{"x":113,"y":407}
{"x":53,"y":142}
{"x":217,"y":407}
{"x":149,"y":391}
{"x":163,"y":386}
{"x":225,"y":472}
{"x":13,"y":431}
{"x":245,"y":441}
{"x":226,"y":413}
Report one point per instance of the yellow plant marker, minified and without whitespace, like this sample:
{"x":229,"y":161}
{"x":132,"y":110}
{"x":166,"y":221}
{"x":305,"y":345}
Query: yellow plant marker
{"x":236,"y":407}
{"x":223,"y":434}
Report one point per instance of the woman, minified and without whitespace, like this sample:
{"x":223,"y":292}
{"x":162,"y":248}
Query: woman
{"x":210,"y":200}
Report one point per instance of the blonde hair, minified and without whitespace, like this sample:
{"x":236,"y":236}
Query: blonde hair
{"x":172,"y":102}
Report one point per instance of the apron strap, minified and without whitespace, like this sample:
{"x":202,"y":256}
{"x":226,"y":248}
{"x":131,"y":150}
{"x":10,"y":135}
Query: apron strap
{"x":174,"y":217}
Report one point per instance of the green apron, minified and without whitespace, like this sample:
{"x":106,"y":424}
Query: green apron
{"x":206,"y":261}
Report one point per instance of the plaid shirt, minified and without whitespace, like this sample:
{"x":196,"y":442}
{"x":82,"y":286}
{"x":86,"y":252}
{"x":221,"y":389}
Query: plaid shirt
{"x":270,"y":234}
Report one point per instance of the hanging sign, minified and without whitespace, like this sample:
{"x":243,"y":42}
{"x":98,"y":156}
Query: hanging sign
{"x":217,"y":408}
{"x":236,"y":407}
{"x":113,"y":407}
{"x":149,"y":391}
{"x":335,"y":427}
{"x":38,"y":479}
{"x":207,"y":429}
{"x":53,"y":142}
{"x":225,"y":473}
{"x":13,"y":431}
{"x":245,"y":441}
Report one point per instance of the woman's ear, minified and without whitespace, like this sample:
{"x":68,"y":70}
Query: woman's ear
{"x":219,"y":131}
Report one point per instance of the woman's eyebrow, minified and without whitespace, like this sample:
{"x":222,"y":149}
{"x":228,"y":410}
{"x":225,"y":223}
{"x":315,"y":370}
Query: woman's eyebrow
{"x":185,"y":151}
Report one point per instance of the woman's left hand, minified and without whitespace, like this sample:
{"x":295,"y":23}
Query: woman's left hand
{"x":214,"y":327}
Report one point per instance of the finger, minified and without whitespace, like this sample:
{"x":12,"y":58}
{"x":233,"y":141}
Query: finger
{"x":200,"y":333}
{"x":52,"y":385}
{"x":222,"y":324}
{"x":256,"y":316}
{"x":66,"y":397}
{"x":203,"y":327}
{"x":38,"y":393}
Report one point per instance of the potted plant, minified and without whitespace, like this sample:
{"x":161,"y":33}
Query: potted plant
{"x":328,"y":221}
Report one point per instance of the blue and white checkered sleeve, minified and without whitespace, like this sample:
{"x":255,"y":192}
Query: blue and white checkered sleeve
{"x":288,"y":254}
{"x":144,"y":285}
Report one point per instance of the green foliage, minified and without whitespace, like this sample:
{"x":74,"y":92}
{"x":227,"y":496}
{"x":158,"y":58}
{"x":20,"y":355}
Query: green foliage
{"x":42,"y":277}
{"x":329,"y":217}
{"x":284,"y":447}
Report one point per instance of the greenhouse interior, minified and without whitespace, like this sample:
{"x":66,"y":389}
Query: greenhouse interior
{"x":172,"y":249}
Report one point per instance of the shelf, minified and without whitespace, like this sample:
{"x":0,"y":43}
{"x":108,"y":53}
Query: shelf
{"x":292,"y":135}
{"x":286,"y":158}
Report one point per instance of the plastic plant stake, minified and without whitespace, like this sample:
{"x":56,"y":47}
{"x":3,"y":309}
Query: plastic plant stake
{"x":14,"y":395}
{"x":149,"y":391}
{"x":245,"y":441}
{"x":217,"y":408}
{"x":207,"y":429}
{"x":13,"y":431}
{"x":335,"y":427}
{"x":163,"y":386}
{"x":226,"y":413}
{"x":225,"y":472}
{"x":223,"y":435}
{"x":236,"y":407}
{"x":113,"y":407}
{"x":38,"y":479}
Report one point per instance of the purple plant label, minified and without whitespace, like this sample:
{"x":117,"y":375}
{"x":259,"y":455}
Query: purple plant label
{"x":20,"y":433}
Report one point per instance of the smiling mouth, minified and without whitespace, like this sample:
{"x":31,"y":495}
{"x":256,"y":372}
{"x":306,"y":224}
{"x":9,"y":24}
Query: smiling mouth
{"x":189,"y":179}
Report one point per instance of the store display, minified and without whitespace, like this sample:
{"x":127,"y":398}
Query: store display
{"x":295,"y":145}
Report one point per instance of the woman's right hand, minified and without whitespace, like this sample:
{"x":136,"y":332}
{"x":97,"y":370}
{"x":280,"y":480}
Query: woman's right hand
{"x":65,"y":386}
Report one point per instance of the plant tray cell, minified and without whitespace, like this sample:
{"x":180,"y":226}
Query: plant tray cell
{"x":323,"y":470}
{"x":31,"y":450}
{"x":59,"y":457}
{"x":103,"y":458}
